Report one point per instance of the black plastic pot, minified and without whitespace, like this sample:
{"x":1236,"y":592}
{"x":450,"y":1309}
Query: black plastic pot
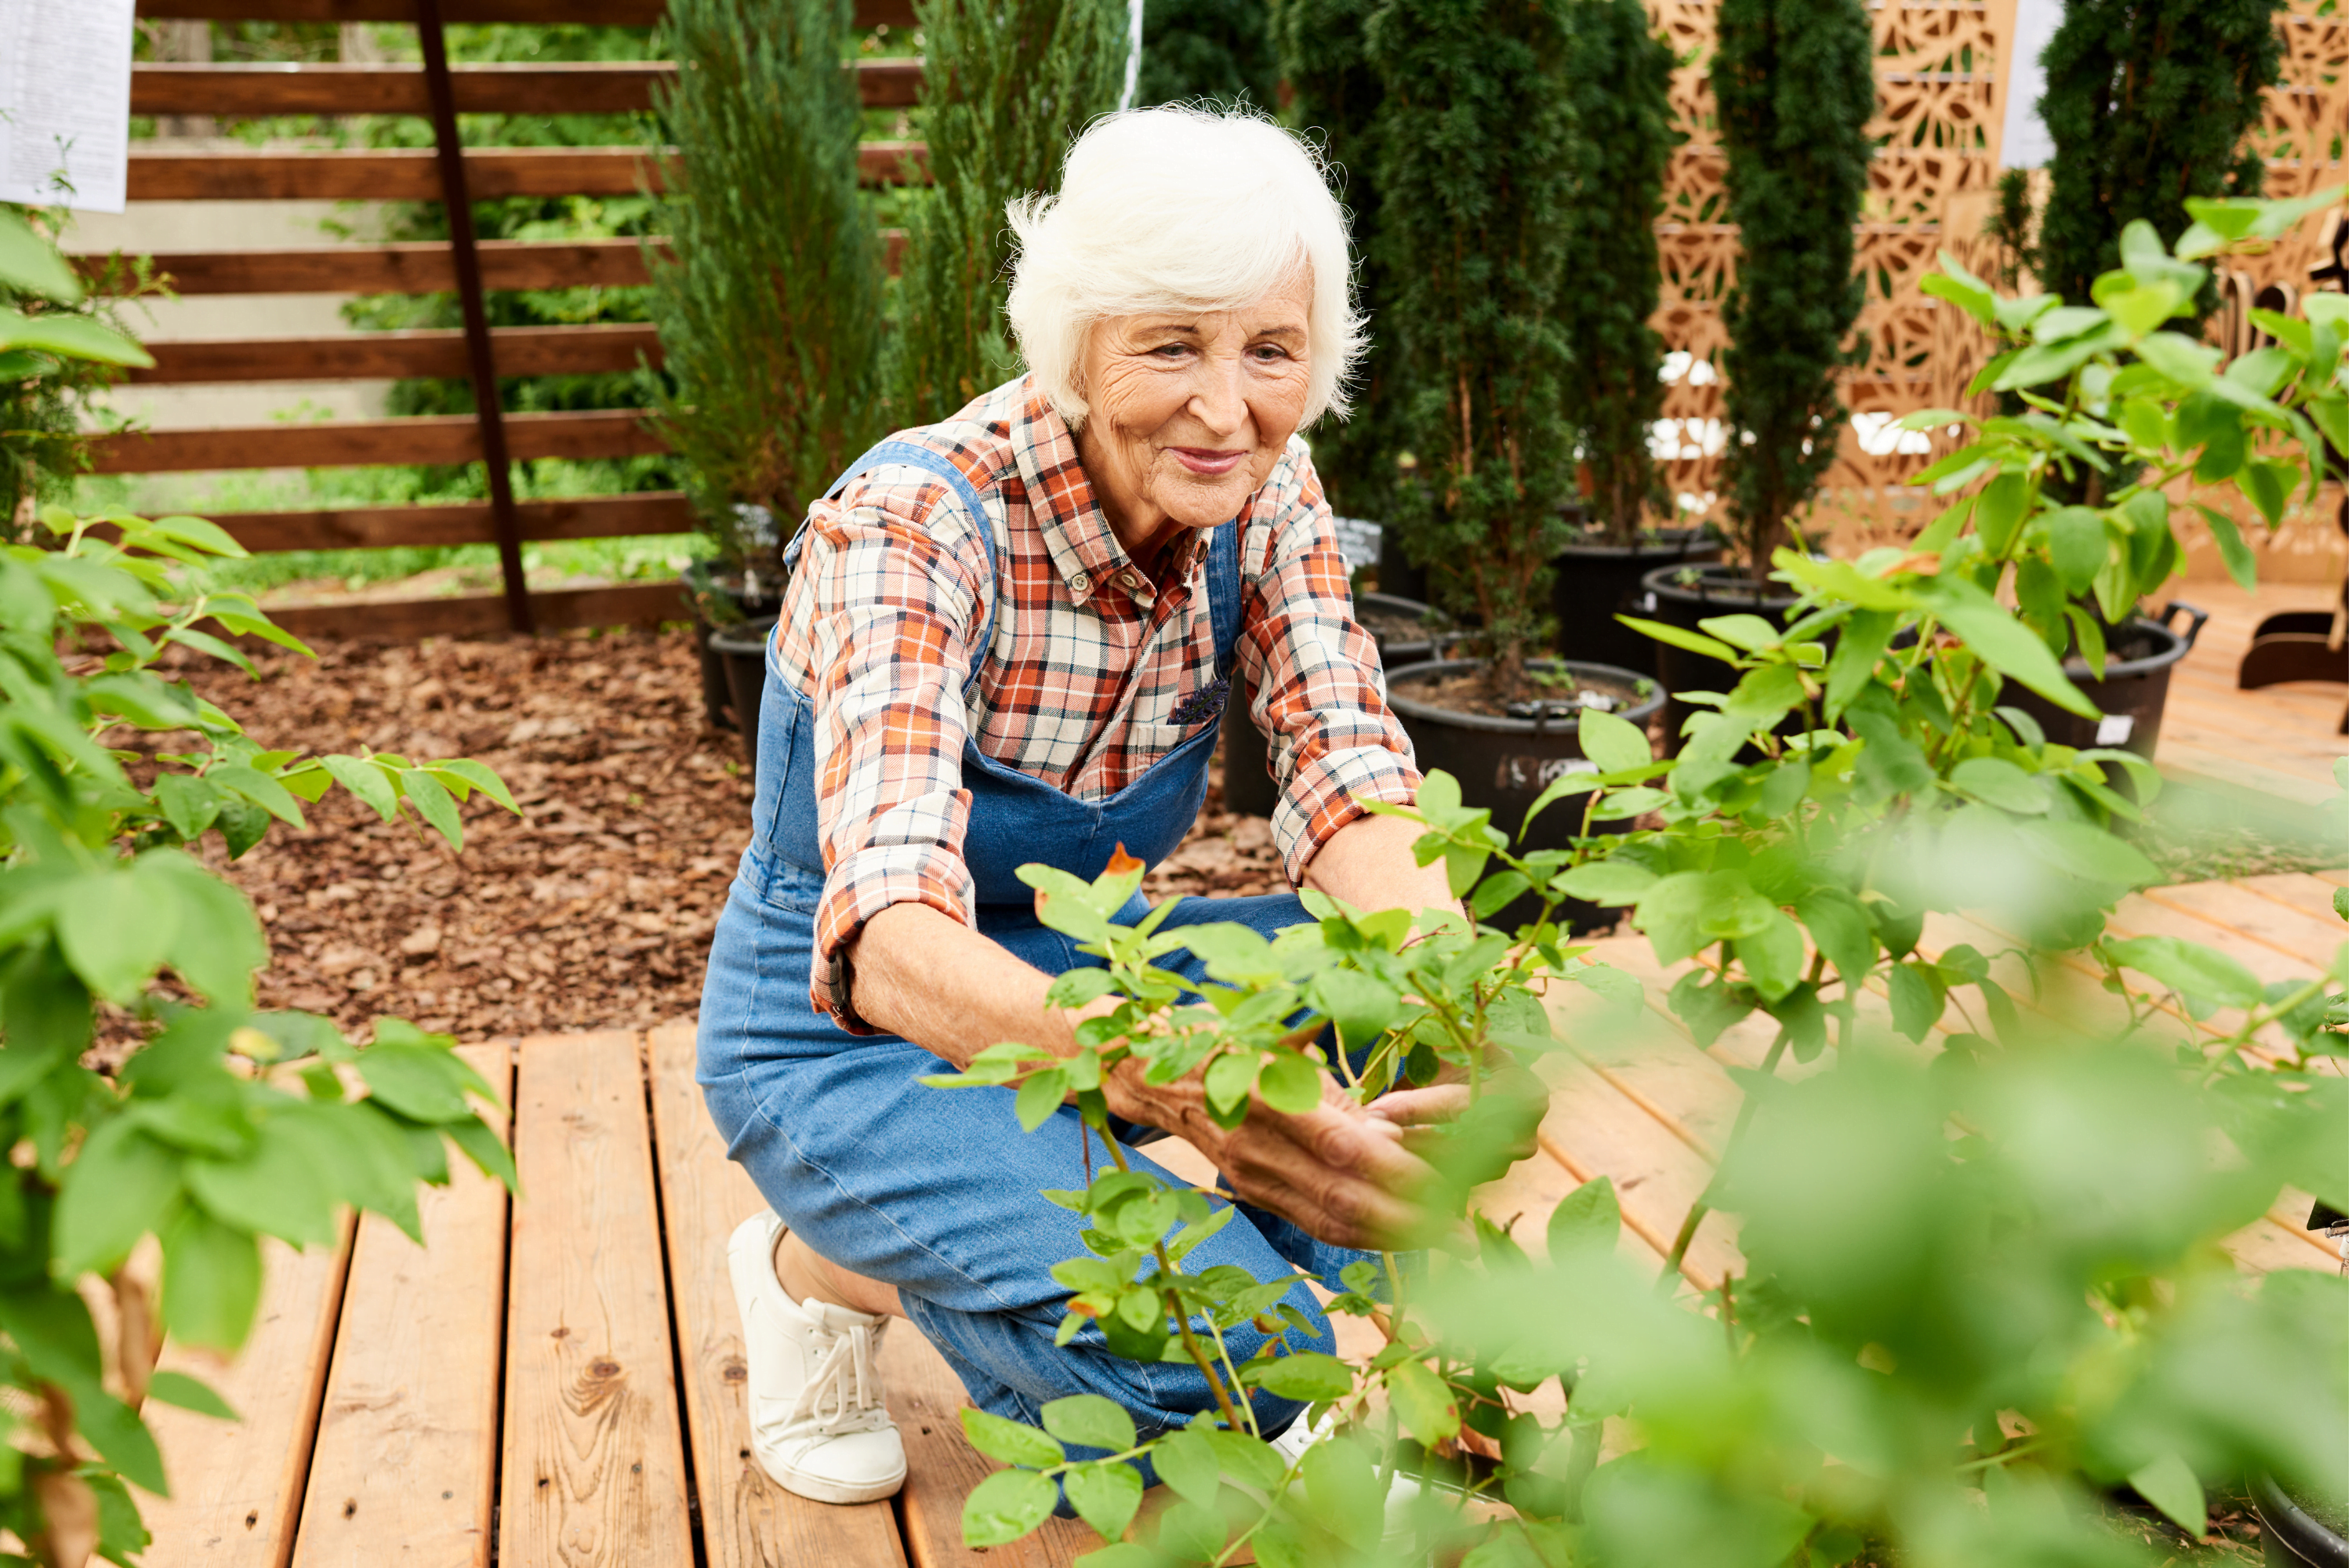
{"x":1593,"y":584}
{"x":1684,"y":596}
{"x":1248,"y":788}
{"x":720,"y":606}
{"x":2140,"y":657}
{"x":742,"y":656}
{"x":1504,"y":763}
{"x":2291,"y":1537}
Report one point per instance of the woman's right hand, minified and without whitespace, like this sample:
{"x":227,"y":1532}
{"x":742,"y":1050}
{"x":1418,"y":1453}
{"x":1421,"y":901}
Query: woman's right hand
{"x":1339,"y":1172}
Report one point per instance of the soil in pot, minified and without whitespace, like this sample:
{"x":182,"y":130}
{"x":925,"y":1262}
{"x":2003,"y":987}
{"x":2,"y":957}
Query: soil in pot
{"x":2130,"y":695}
{"x":1400,"y":632}
{"x":742,"y":654}
{"x":1504,"y":760}
{"x":1595,"y":582}
{"x":1684,"y":596}
{"x":2300,"y":1528}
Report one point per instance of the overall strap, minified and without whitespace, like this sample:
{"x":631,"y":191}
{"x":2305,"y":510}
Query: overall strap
{"x":883,"y":454}
{"x":1224,"y":571}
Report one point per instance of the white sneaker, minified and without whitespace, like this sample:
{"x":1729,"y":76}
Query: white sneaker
{"x":1403,"y":1490}
{"x":818,"y":1424}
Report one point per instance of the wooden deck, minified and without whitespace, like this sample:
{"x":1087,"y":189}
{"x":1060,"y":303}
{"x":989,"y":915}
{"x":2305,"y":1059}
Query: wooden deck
{"x":558,"y":1380}
{"x":2280,"y":741}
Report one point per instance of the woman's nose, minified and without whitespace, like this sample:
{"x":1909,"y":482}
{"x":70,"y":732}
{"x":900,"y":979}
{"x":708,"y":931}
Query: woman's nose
{"x":1217,"y":400}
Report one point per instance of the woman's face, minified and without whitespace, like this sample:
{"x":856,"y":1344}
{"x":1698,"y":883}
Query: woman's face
{"x":1188,"y":411}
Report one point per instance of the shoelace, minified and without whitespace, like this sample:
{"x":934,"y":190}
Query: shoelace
{"x":844,"y":1386}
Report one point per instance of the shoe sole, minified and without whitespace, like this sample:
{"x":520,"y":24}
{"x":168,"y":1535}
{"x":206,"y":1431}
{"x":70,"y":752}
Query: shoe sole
{"x":817,"y":1490}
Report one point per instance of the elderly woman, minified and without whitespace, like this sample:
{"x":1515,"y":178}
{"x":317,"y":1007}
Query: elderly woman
{"x":1008,"y":638}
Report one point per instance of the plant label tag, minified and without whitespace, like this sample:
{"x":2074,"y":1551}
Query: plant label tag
{"x":2114,"y":729}
{"x":1537,"y":773}
{"x":1649,"y":604}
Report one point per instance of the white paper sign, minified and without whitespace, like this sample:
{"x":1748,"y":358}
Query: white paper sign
{"x":65,"y":103}
{"x":2024,"y":139}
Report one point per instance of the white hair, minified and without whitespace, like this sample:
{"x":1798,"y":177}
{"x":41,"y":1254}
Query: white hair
{"x":1180,"y":208}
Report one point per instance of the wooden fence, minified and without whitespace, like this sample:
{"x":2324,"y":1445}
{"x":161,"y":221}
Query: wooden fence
{"x":455,"y":175}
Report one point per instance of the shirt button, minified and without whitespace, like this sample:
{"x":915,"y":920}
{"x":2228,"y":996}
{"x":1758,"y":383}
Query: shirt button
{"x":1129,"y":579}
{"x":1079,"y":584}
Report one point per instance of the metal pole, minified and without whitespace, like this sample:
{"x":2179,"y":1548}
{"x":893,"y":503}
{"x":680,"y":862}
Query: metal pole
{"x":451,"y":153}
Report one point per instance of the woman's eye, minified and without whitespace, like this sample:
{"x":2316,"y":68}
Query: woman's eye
{"x":1169,"y":350}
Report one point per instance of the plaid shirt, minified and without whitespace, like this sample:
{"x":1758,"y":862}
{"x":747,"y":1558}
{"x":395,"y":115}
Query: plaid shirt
{"x":1095,"y":672}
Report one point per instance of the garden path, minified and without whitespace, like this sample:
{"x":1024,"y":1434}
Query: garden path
{"x":559,"y":1380}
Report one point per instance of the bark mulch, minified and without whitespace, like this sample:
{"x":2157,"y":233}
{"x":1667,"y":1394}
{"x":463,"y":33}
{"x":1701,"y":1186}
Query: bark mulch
{"x":595,"y":908}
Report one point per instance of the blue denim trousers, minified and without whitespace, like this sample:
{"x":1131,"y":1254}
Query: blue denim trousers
{"x":937,"y":1192}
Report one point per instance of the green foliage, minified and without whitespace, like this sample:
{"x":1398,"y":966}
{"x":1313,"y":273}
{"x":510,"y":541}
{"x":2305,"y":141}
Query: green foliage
{"x":1476,"y":139}
{"x":2148,"y":102}
{"x":2010,"y":225}
{"x":1005,"y":89}
{"x":1617,"y":77}
{"x":225,"y":1125}
{"x":770,"y":313}
{"x":1335,"y":98}
{"x":1220,"y":51}
{"x":1794,"y":90}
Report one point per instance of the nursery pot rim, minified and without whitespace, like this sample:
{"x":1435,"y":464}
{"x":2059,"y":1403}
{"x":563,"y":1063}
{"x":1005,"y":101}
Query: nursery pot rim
{"x":2172,"y":646}
{"x":1659,"y":543}
{"x":744,"y":638}
{"x":2296,"y":1531}
{"x":1438,"y":668}
{"x":1730,"y":586}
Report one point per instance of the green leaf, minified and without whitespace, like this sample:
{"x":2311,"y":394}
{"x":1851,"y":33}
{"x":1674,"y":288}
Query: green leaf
{"x":2001,"y":783}
{"x":1750,"y":633}
{"x":1994,"y":634}
{"x":1424,"y":1403}
{"x":433,"y":803}
{"x":113,"y":933}
{"x":1693,"y":642}
{"x":1090,"y":1421}
{"x":1617,"y":744}
{"x":218,"y":944}
{"x":1009,"y":1441}
{"x":31,"y":265}
{"x":2232,"y":546}
{"x":1359,"y":1005}
{"x":1841,"y":929}
{"x":2169,"y":1484}
{"x":426,"y":1083}
{"x":187,"y":803}
{"x":1856,"y":656}
{"x":1309,"y":1377}
{"x":1041,"y":1094}
{"x":2183,"y":359}
{"x":482,"y":777}
{"x":479,"y":1142}
{"x":178,"y":1388}
{"x":1007,"y":1506}
{"x":1588,"y":1219}
{"x":1913,"y":1001}
{"x":119,"y":1187}
{"x":1774,"y":957}
{"x":2090,"y":852}
{"x":71,"y":337}
{"x":2191,"y":968}
{"x":274,"y":1190}
{"x":2267,"y":485}
{"x":212,"y":1281}
{"x":1290,"y":1083}
{"x":1186,"y":1461}
{"x":2002,"y":506}
{"x":259,"y":788}
{"x":1105,"y":1495}
{"x":367,"y":779}
{"x":1606,"y":882}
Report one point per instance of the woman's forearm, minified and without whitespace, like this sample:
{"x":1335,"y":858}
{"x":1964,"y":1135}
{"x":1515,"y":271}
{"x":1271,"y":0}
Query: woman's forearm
{"x":1368,"y":864}
{"x":937,"y":982}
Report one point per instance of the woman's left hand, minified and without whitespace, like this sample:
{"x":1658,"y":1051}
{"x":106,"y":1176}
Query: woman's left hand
{"x":1469,"y":1142}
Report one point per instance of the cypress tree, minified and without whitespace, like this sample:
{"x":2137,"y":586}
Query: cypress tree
{"x":1335,"y":97}
{"x":1006,"y":85}
{"x":1215,"y":49}
{"x":771,"y":314}
{"x":2147,"y":103}
{"x":1476,"y":170}
{"x":1794,"y":93}
{"x":1618,"y":76}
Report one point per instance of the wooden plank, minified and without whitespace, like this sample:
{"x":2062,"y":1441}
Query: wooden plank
{"x":2156,"y":915}
{"x":2291,"y":914}
{"x":465,"y":523}
{"x":421,"y":266}
{"x":567,"y":86}
{"x":942,"y":1468}
{"x":594,"y":1468}
{"x":1593,"y":1131}
{"x":482,"y":615}
{"x":349,"y":442}
{"x":401,"y":175}
{"x":407,"y":1444}
{"x":580,"y":13}
{"x":236,"y":1487}
{"x":748,"y":1521}
{"x":389,"y":356}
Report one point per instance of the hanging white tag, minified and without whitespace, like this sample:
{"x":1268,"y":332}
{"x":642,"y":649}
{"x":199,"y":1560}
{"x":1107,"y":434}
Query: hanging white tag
{"x":2114,"y":730}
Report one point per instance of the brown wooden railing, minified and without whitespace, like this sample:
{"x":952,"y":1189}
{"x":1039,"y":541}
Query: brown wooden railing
{"x":461,"y":264}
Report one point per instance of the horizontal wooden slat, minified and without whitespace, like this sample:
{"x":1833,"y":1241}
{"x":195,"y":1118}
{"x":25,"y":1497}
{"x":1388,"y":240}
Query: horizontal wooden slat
{"x":398,"y":174}
{"x":387,"y":356}
{"x":418,"y":267}
{"x":569,"y":87}
{"x":381,"y":527}
{"x":437,"y":439}
{"x":580,"y":13}
{"x":483,"y":614}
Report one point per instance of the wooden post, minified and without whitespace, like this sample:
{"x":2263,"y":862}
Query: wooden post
{"x":451,"y":153}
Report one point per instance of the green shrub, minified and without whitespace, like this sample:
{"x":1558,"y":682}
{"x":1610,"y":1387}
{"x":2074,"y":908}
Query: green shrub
{"x":770,"y":313}
{"x":1218,"y":50}
{"x":1005,"y":89}
{"x":1793,"y":92}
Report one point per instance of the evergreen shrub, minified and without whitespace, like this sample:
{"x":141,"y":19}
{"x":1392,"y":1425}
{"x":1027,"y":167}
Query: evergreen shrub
{"x":1794,"y":92}
{"x":1217,"y":50}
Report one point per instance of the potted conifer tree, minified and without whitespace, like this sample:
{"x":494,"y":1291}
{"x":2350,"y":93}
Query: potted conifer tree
{"x":770,"y":304}
{"x":1617,"y":74}
{"x":1794,"y":92}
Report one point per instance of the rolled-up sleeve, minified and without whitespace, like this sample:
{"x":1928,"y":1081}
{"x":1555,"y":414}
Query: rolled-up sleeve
{"x":892,"y":606}
{"x":1314,"y":676}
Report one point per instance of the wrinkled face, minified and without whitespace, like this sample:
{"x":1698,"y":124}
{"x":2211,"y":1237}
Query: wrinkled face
{"x":1188,"y":411}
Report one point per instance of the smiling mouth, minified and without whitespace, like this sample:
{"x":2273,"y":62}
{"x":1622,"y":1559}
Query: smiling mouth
{"x":1207,"y":461}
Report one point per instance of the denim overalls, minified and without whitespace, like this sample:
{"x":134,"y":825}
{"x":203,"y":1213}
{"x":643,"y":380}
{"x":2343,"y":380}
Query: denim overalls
{"x":935,"y":1191}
